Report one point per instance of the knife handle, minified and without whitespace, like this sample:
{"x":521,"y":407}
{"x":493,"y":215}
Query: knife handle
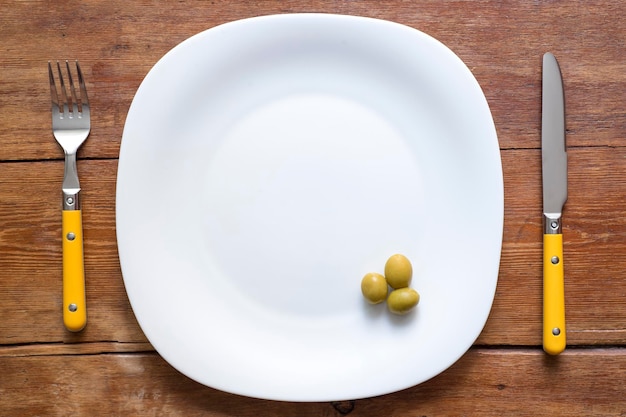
{"x":553,"y":294}
{"x":74,"y":303}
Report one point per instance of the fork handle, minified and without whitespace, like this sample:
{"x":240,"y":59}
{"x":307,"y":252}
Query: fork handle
{"x":74,"y":303}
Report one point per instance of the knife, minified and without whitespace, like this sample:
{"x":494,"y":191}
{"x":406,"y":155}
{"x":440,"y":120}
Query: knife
{"x":554,"y":175}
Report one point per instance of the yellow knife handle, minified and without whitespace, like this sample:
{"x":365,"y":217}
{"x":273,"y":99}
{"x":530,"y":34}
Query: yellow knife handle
{"x":553,"y":294}
{"x":74,"y":303}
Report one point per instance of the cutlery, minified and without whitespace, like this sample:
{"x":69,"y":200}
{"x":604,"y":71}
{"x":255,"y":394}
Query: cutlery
{"x":71,"y":125}
{"x":554,"y":173}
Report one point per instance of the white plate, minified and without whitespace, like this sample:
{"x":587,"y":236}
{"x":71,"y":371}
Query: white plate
{"x":267,"y":165}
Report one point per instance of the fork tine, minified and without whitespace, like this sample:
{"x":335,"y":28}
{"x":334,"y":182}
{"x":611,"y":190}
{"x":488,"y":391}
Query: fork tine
{"x":84,"y":100}
{"x":65,"y":109}
{"x":53,"y":88}
{"x":73,"y":101}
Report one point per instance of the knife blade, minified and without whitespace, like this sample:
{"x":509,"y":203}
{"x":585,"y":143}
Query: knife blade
{"x":554,"y":176}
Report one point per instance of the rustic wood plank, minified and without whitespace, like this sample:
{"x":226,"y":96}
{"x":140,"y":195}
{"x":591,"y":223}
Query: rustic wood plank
{"x":594,"y":248}
{"x":485,"y":382}
{"x":30,"y":255}
{"x":595,"y":244}
{"x":502,"y":43}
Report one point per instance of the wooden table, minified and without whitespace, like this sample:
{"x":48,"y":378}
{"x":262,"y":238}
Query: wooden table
{"x":111,"y":369}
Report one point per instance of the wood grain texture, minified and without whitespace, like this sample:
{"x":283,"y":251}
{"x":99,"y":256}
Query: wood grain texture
{"x":111,"y":369}
{"x":484,"y":382}
{"x":594,"y":246}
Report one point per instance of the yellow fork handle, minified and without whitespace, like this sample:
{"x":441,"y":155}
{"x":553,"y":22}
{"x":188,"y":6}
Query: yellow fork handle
{"x":553,"y":295}
{"x":74,"y":303}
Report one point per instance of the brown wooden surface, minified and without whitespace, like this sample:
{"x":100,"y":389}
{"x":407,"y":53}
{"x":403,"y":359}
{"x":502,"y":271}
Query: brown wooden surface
{"x":111,"y":369}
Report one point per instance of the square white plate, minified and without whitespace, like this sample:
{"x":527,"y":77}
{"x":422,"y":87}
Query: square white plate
{"x":267,"y":164}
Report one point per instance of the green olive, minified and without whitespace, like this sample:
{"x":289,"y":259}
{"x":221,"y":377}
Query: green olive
{"x":398,"y":271}
{"x":374,"y":288}
{"x":403,"y":300}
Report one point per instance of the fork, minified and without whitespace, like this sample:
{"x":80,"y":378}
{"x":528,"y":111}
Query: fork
{"x":71,"y":125}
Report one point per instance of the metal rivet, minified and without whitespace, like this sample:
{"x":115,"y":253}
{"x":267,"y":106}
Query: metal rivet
{"x":70,"y":200}
{"x":554,"y":224}
{"x":71,"y":236}
{"x":72,"y":307}
{"x":555,"y":260}
{"x":556,"y":331}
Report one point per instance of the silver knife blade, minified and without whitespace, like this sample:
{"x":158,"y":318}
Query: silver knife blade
{"x":553,"y":146}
